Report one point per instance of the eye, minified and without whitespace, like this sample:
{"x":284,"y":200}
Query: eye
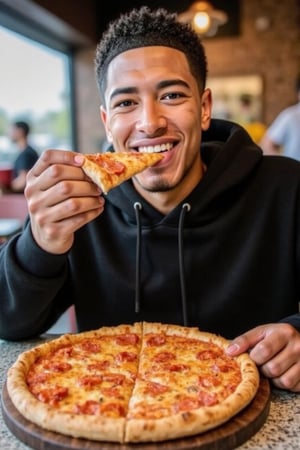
{"x":174,"y":98}
{"x":172,"y":95}
{"x":123,"y":104}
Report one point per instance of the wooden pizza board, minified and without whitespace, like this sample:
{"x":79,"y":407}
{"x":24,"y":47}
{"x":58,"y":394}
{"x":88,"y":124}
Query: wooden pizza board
{"x":226,"y":437}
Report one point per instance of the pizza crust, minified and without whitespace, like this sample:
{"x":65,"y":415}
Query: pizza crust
{"x":122,"y":429}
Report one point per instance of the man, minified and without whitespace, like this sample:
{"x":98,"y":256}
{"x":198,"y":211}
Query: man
{"x":283,"y":135}
{"x":27,"y":157}
{"x":217,"y":244}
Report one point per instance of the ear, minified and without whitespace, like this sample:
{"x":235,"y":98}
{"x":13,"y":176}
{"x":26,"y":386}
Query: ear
{"x":103,"y":115}
{"x":206,"y":108}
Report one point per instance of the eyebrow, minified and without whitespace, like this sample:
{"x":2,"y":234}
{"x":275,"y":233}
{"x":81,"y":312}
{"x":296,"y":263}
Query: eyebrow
{"x":162,"y":84}
{"x":172,"y":82}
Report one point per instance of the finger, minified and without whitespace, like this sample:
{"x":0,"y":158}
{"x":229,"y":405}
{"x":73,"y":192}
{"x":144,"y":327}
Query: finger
{"x":62,"y":177}
{"x":67,"y":181}
{"x":280,"y":354}
{"x":274,"y":367}
{"x":289,"y":380}
{"x":266,"y":349}
{"x":71,"y":189}
{"x":72,"y":207}
{"x":50,"y":157}
{"x":64,"y":200}
{"x":282,"y":340}
{"x":246,"y":341}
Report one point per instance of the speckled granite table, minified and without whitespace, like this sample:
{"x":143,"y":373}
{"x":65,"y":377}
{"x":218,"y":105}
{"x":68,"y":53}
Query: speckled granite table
{"x":281,"y":431}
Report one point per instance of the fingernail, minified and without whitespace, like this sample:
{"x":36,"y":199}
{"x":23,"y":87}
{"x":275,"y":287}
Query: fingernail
{"x":232,"y":348}
{"x":79,"y":159}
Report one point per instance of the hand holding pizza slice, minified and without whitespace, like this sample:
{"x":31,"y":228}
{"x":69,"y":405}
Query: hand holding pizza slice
{"x":110,"y":169}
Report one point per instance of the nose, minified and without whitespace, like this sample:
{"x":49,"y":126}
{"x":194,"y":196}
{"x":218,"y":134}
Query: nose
{"x":151,"y":120}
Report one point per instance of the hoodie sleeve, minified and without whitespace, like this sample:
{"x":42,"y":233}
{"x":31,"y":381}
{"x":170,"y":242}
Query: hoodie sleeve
{"x":31,"y":286}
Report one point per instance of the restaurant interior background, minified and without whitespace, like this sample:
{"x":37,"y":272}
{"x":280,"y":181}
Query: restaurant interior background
{"x":255,"y":54}
{"x":257,"y":49}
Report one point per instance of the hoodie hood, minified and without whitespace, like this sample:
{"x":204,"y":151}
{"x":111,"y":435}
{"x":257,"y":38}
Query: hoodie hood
{"x":230,"y":156}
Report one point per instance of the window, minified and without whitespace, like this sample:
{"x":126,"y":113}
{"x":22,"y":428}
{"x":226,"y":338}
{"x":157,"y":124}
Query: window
{"x":35,"y":86}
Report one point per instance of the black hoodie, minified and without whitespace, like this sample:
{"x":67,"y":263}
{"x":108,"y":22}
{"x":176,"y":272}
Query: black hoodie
{"x":226,"y":259}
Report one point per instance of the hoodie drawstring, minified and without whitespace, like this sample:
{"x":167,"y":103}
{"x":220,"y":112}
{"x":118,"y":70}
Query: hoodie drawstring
{"x":186,"y":207}
{"x":137,"y":207}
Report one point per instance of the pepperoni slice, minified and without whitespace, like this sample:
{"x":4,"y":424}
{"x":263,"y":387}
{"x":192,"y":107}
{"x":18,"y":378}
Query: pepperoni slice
{"x":110,"y":165}
{"x":57,"y":366}
{"x":177,"y":367}
{"x":34,"y":378}
{"x":114,"y":378}
{"x":127,"y":339}
{"x":208,"y":354}
{"x":156,"y":340}
{"x":90,"y":407}
{"x":164,"y":356}
{"x":90,"y":380}
{"x":113,"y":409}
{"x":99,"y":365}
{"x":126,"y":357}
{"x":64,"y":352}
{"x":53,"y":395}
{"x":209,"y":381}
{"x":224,"y":365}
{"x":153,"y":388}
{"x":186,"y":404}
{"x":90,"y":346}
{"x":111,"y":392}
{"x":207,"y":398}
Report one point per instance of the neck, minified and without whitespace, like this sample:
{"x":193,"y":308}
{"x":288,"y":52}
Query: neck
{"x":22,"y":144}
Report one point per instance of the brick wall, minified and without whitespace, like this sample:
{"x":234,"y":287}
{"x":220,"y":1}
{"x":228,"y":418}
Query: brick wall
{"x":273,"y":53}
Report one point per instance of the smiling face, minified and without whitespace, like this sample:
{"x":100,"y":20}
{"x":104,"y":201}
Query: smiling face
{"x":153,"y":103}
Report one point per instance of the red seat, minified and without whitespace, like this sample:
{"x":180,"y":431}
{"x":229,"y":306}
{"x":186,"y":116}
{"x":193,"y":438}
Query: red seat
{"x":13,"y":212}
{"x":5,"y":178}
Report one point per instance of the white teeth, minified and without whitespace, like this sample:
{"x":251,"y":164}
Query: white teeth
{"x":156,"y":148}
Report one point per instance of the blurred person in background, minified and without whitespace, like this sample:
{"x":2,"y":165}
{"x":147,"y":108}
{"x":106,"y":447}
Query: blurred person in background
{"x":247,"y":118}
{"x":19,"y":133}
{"x":283,"y":135}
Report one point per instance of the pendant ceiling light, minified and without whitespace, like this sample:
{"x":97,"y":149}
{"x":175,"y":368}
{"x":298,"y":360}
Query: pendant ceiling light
{"x":204,"y":19}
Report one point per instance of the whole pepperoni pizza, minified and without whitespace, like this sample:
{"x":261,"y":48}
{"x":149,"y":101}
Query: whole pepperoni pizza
{"x":132,"y":383}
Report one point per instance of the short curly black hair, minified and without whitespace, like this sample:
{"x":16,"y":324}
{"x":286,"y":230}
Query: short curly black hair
{"x":144,"y":27}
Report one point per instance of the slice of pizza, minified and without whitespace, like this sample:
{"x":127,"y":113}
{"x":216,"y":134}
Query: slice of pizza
{"x":109,"y":169}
